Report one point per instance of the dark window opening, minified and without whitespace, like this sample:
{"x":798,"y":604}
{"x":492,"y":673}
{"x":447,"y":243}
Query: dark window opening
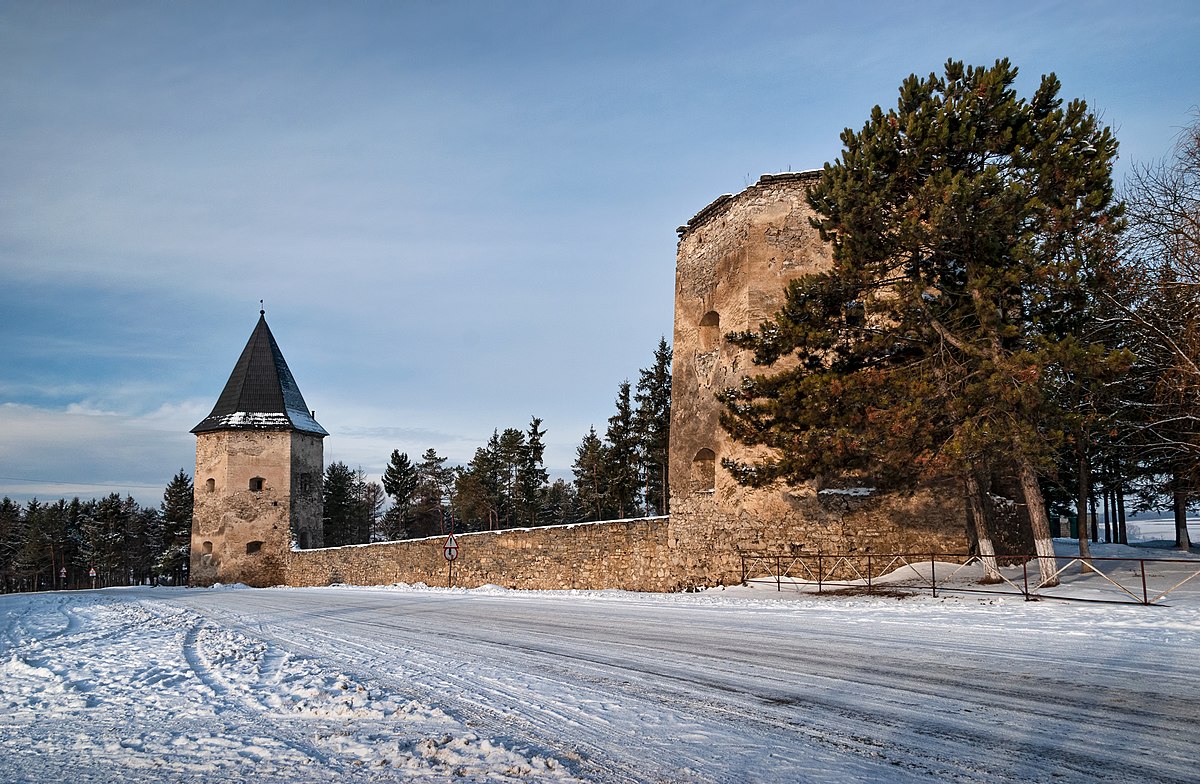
{"x":256,"y":484}
{"x":208,"y":548}
{"x":210,"y":485}
{"x":710,"y":331}
{"x":253,"y":547}
{"x":704,"y":470}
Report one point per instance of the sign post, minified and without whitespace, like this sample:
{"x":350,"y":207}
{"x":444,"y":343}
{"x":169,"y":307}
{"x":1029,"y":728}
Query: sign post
{"x":92,"y":574}
{"x":62,"y":577}
{"x":450,"y":552}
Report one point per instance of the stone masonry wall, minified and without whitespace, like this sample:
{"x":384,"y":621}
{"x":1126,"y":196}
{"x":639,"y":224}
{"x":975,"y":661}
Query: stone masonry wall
{"x":239,"y":534}
{"x":735,"y":259}
{"x":622,"y":554}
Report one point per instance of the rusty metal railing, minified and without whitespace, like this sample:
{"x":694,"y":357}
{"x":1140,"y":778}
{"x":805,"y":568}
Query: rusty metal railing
{"x":859,"y":572}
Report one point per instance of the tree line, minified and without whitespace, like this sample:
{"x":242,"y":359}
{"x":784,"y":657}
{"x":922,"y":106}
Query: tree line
{"x":622,"y":473}
{"x":58,"y":544}
{"x":995,"y":314}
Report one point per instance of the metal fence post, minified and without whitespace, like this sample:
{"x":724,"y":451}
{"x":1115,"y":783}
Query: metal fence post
{"x":1145,"y":596}
{"x":933,"y":575}
{"x":820,"y":573}
{"x":868,"y":571}
{"x":778,"y":575}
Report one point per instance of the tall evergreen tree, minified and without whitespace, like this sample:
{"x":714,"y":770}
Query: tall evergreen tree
{"x":479,"y":488}
{"x":591,"y":482}
{"x":653,"y":423}
{"x":435,"y":481}
{"x":33,"y":560}
{"x":961,"y":222}
{"x":176,"y":540}
{"x":341,"y":505}
{"x":510,"y":451}
{"x":531,"y":477}
{"x":621,"y":466}
{"x":104,"y":525}
{"x":11,"y":536}
{"x":400,"y":483}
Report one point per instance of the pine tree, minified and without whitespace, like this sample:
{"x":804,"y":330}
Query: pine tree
{"x":478,"y":488}
{"x":32,"y":559}
{"x":562,"y":503}
{"x":176,"y":513}
{"x":400,"y":483}
{"x":961,"y":222}
{"x":434,"y":483}
{"x":531,"y":477}
{"x":653,"y":424}
{"x":340,"y":505}
{"x":510,"y":452}
{"x":591,"y":481}
{"x":621,"y":467}
{"x":11,"y":530}
{"x":104,"y":525}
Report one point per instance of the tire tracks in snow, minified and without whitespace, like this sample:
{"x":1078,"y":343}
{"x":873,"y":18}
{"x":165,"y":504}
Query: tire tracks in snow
{"x":497,"y":715}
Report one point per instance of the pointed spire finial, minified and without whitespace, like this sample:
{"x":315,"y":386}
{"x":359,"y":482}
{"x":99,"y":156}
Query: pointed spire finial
{"x":262,"y":309}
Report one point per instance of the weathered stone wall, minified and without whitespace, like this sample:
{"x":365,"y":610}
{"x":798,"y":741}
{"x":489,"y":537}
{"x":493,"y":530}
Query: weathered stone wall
{"x":624,"y":554}
{"x":734,"y":261}
{"x":308,"y":469}
{"x":240,"y":534}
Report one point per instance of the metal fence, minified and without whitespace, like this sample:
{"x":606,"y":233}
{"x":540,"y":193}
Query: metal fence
{"x":1145,"y":581}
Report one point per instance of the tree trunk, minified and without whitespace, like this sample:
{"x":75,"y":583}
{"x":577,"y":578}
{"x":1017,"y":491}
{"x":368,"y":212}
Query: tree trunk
{"x":1083,"y":490}
{"x":987,"y":552}
{"x":1106,"y":499}
{"x":1043,"y":543}
{"x":1182,"y":539}
{"x":1121,"y":527}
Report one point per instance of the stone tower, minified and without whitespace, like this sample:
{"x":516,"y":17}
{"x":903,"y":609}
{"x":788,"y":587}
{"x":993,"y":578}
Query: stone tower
{"x":259,"y":465}
{"x":735,"y":258}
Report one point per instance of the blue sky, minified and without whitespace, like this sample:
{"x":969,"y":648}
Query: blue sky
{"x":460,"y":214}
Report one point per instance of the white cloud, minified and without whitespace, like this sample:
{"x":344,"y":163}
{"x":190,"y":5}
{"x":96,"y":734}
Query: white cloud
{"x":81,"y":450}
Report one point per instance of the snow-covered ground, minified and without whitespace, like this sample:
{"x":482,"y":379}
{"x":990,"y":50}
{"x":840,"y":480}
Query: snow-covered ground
{"x":741,"y":685}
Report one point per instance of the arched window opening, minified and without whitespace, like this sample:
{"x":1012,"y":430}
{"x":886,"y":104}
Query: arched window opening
{"x":305,"y":540}
{"x":704,"y":471}
{"x":253,"y":547}
{"x":710,"y":331}
{"x":256,"y":484}
{"x":210,"y":485}
{"x":208,"y":548}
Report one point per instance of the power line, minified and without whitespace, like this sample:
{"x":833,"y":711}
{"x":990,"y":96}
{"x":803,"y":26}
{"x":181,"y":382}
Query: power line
{"x":74,"y":484}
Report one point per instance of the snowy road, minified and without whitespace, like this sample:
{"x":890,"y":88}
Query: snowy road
{"x":491,"y":685}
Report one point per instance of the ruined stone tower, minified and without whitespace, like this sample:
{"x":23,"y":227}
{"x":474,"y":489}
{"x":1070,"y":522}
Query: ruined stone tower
{"x":735,"y":258}
{"x":259,"y":464}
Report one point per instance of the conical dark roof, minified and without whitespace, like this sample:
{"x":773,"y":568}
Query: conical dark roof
{"x":261,"y":393}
